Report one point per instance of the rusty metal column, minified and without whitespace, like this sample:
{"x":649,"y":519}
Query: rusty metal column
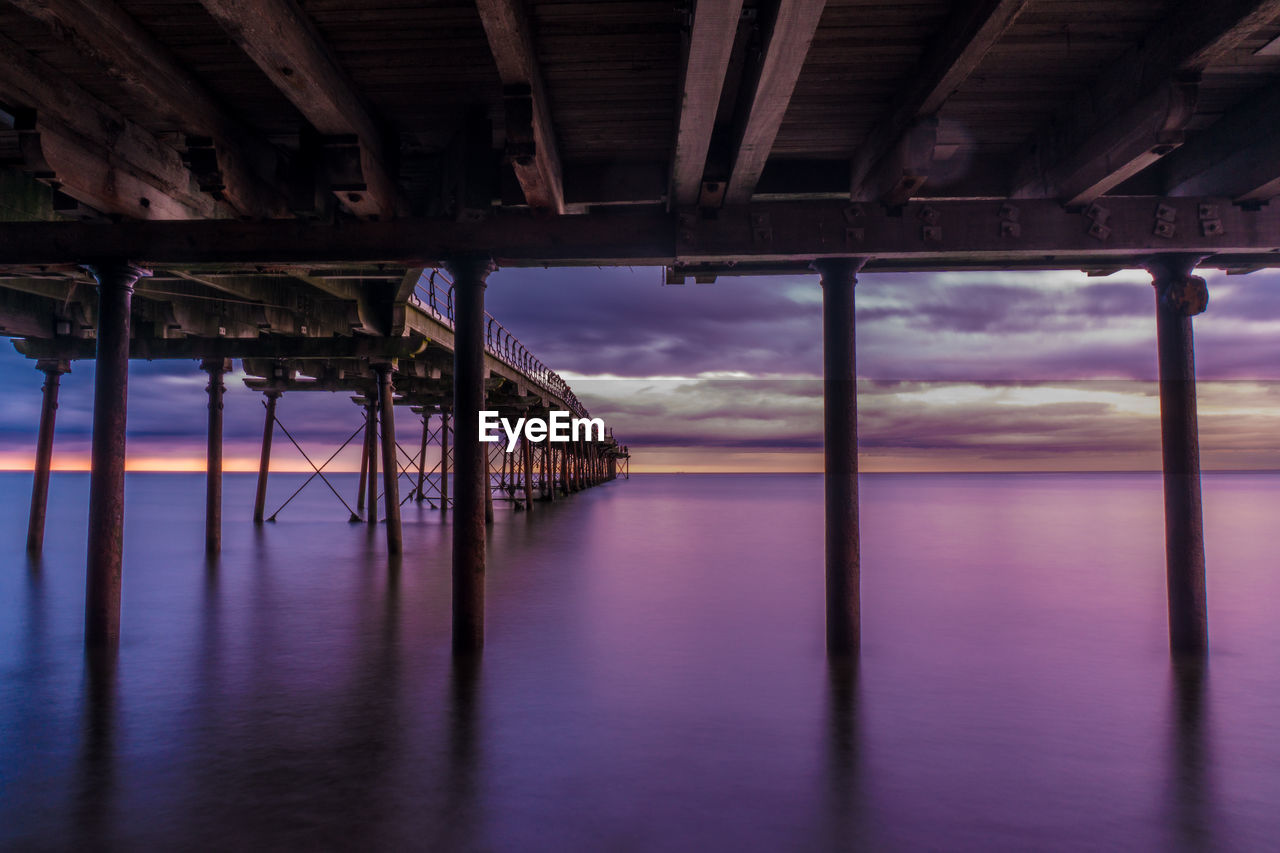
{"x":371,"y":451}
{"x":840,"y":445}
{"x":1179,"y":297}
{"x":563,"y":485}
{"x":444,"y":461}
{"x":488,"y":494}
{"x":470,"y":456}
{"x":106,"y":480}
{"x":364,"y":458}
{"x":390,"y":470}
{"x":53,"y":370}
{"x":422,"y":454}
{"x":264,"y":460}
{"x":216,"y":368}
{"x":528,"y":475}
{"x":548,"y":472}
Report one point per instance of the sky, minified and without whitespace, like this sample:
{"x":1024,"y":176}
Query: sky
{"x":961,"y":371}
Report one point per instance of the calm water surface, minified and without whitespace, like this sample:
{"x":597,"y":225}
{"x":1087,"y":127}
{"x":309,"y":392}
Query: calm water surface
{"x":654,"y":677}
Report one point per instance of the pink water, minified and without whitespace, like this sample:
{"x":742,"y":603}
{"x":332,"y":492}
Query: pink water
{"x":654,"y":677}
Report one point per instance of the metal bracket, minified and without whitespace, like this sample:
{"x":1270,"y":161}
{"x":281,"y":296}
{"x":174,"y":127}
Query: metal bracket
{"x":761,"y":229}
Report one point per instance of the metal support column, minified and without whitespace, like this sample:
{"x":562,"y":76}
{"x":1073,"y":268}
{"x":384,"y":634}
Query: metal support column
{"x":1179,"y":297}
{"x":390,"y":470}
{"x":264,"y":460}
{"x":216,"y":368}
{"x":371,"y":453}
{"x":528,"y":474}
{"x":364,"y":460}
{"x":106,"y":480}
{"x":53,"y":370}
{"x":422,"y":455}
{"x":444,"y":461}
{"x":548,"y":472}
{"x":840,"y":444}
{"x":470,"y":456}
{"x":564,"y":471}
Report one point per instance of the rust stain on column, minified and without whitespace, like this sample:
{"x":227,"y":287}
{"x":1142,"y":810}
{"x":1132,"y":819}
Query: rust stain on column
{"x":216,"y":368}
{"x":840,"y":446}
{"x":371,"y":454}
{"x":53,"y":371}
{"x":264,"y":460}
{"x":390,"y":470}
{"x":470,"y":456}
{"x":106,"y":480}
{"x":1180,"y":296}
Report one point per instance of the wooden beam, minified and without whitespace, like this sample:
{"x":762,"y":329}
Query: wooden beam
{"x":1238,"y":156}
{"x":245,"y":169}
{"x":285,"y":43}
{"x":1122,"y":147}
{"x":904,"y":169}
{"x":531,"y":140}
{"x":28,"y":314}
{"x":711,"y":37}
{"x":1037,"y":233}
{"x":969,"y":33}
{"x":1137,"y":109}
{"x":79,"y":145}
{"x":785,"y":50}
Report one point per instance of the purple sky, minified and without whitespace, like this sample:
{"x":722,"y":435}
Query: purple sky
{"x":962,"y":370}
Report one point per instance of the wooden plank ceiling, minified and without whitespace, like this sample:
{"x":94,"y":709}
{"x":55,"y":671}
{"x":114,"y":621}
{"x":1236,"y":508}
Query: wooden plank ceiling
{"x":378,"y":109}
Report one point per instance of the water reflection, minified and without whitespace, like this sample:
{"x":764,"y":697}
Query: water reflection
{"x":847,"y":814}
{"x":96,"y":768}
{"x":654,"y":679}
{"x":1192,"y":796}
{"x":458,"y":820}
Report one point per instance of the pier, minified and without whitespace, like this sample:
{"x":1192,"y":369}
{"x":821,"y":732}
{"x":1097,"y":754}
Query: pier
{"x":325,"y":193}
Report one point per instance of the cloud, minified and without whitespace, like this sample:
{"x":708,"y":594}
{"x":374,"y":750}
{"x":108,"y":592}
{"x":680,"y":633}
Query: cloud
{"x":951,"y":364}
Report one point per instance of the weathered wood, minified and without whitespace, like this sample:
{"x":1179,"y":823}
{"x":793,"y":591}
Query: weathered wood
{"x":784,"y":54}
{"x":1135,"y":111}
{"x":284,"y":42}
{"x":92,"y":152}
{"x":715,"y":25}
{"x":1239,"y":155}
{"x":969,"y":33}
{"x":531,"y":139}
{"x":903,"y":170}
{"x":1121,"y":148}
{"x":136,"y":60}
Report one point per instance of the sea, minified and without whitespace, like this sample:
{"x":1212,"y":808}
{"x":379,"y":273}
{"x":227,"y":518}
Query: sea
{"x":654,"y":675}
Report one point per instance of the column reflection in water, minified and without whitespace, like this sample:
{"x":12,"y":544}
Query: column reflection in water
{"x":1190,"y":807}
{"x":847,"y":820}
{"x":96,"y":771}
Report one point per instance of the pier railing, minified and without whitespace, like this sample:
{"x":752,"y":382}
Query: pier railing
{"x":433,"y":294}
